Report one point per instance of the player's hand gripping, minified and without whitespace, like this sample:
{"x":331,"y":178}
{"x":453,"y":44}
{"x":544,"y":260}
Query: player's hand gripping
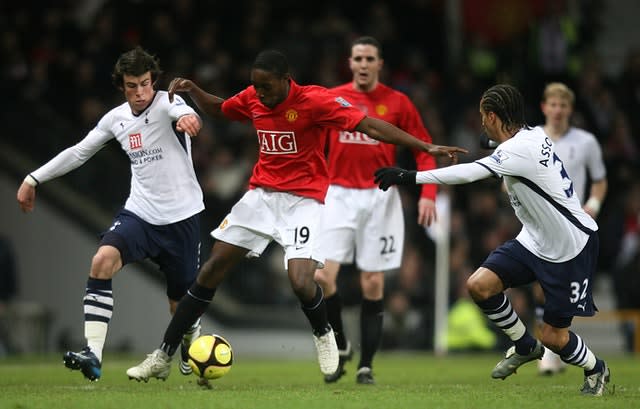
{"x":179,"y":85}
{"x":190,"y":124}
{"x":387,"y":177}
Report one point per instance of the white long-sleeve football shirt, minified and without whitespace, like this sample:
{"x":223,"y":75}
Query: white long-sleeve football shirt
{"x":554,"y":226}
{"x":164,"y":187}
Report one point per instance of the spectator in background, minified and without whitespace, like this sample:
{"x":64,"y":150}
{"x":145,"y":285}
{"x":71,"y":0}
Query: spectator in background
{"x":465,"y":133}
{"x":8,"y":290}
{"x":628,"y":90}
{"x":557,"y":38}
{"x":621,"y":243}
{"x":407,"y":301}
{"x":467,"y":327}
{"x":595,"y":100}
{"x":620,"y":148}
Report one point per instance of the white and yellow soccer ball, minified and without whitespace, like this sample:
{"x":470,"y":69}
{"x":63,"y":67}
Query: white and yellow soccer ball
{"x":210,"y":356}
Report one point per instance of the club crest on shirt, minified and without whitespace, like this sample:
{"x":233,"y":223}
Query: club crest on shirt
{"x":277,"y":142}
{"x":224,"y":224}
{"x":381,"y":109}
{"x":135,"y":141}
{"x":343,"y":102}
{"x":499,"y":156}
{"x":291,"y":115}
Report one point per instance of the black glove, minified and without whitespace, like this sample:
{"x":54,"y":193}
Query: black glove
{"x":387,"y":177}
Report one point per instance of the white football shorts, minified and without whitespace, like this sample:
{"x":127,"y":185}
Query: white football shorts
{"x":262,"y":216}
{"x":365,"y":224}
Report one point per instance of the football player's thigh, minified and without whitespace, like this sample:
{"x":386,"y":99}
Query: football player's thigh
{"x":338,"y":225}
{"x":380,"y":239}
{"x":338,"y":245}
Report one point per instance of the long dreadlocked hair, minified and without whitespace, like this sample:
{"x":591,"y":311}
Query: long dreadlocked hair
{"x":508,"y":104}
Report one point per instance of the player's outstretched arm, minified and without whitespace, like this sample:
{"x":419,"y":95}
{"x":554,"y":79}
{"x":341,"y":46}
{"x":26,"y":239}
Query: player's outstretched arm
{"x":27,"y":194}
{"x":450,"y":175}
{"x":386,"y":132}
{"x":207,"y":103}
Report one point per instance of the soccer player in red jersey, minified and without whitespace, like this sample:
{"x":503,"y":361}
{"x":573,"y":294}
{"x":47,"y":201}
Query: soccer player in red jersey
{"x":286,"y":195}
{"x":351,"y":227}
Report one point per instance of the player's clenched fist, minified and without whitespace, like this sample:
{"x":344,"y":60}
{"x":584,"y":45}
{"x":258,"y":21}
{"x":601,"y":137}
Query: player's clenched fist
{"x":26,"y":196}
{"x":389,"y":176}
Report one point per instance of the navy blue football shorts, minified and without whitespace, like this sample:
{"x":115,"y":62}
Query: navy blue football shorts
{"x":174,"y":247}
{"x":567,"y":286}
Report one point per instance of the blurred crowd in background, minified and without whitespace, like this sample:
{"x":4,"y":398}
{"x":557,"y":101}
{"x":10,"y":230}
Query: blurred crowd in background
{"x":55,"y":80}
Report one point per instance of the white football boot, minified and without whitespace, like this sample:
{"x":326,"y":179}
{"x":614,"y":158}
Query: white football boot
{"x":328,"y":356}
{"x":156,"y":365}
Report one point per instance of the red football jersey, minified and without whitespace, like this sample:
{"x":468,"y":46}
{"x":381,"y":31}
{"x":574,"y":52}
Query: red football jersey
{"x":292,"y":136}
{"x":354,"y":157}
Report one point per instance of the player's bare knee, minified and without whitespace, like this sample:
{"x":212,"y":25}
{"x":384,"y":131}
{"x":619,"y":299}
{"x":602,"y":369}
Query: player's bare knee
{"x":211,"y":273}
{"x":322,"y":278}
{"x":477,"y":288}
{"x":206,"y":270}
{"x":372,"y":284}
{"x":103,"y":266}
{"x":483,"y":284}
{"x":302,"y":286}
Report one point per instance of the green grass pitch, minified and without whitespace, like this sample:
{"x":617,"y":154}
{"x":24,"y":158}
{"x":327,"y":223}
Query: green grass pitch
{"x":404,"y":380}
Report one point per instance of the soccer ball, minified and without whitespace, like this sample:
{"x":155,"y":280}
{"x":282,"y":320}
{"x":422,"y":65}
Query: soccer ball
{"x":210,"y":356}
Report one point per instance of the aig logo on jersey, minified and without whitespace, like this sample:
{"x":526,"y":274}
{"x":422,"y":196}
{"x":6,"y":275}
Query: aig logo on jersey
{"x":277,"y":143}
{"x":135,"y":141}
{"x":357,"y":137}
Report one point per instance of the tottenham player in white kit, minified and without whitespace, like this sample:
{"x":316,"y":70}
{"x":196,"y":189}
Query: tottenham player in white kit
{"x":581,"y":154}
{"x":557,"y":246}
{"x":160,"y":219}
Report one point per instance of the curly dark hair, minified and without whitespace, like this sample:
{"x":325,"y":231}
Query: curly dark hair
{"x":135,"y":62}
